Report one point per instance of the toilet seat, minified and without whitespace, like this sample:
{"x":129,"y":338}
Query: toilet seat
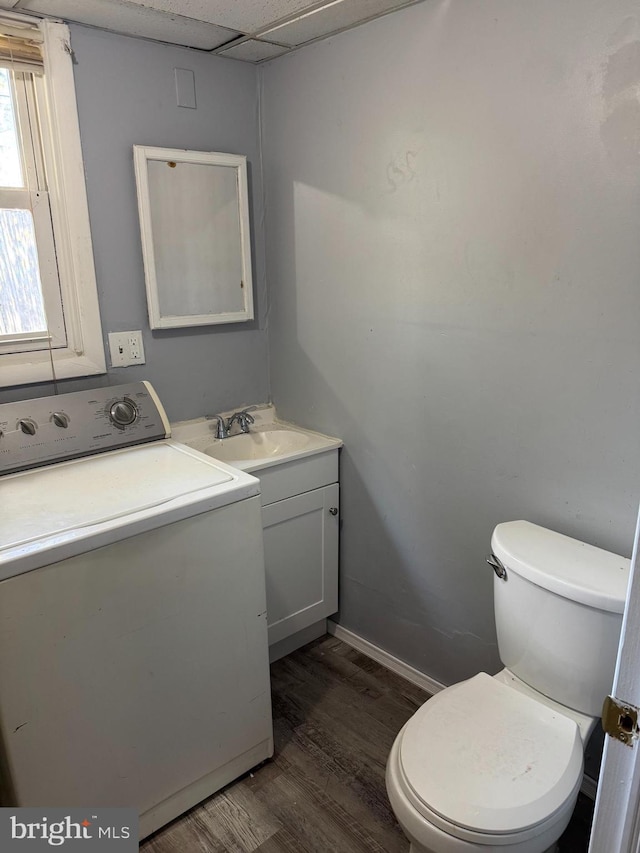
{"x":481,"y":760}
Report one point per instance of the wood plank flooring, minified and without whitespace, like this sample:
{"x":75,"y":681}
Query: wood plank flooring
{"x":336,"y":714}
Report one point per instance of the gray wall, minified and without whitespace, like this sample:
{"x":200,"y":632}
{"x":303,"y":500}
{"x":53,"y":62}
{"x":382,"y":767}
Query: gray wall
{"x":126,"y":95}
{"x":452,"y":202}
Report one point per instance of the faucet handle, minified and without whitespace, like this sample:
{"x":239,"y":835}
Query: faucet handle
{"x":243,"y":418}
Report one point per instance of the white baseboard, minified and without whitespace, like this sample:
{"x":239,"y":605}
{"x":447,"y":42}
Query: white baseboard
{"x":589,"y":785}
{"x":384,"y":658}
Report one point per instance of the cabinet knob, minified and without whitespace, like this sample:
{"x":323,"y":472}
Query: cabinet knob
{"x":333,"y":510}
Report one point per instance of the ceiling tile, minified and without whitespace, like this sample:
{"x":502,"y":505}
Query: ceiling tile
{"x":332,"y":18}
{"x":253,"y":50}
{"x":134,"y":20}
{"x":247,"y":16}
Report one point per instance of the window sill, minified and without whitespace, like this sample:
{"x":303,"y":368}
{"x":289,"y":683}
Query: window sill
{"x":38,"y":368}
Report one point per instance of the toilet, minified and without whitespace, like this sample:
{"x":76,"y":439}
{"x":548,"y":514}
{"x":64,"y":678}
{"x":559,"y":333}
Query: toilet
{"x":495,"y":763}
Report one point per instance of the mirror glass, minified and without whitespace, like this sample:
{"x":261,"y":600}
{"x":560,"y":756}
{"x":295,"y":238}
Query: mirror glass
{"x":195,"y":236}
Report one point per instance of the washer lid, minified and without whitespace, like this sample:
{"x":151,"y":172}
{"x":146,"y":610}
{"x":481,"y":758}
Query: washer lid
{"x":489,"y":759}
{"x":563,"y":565}
{"x":53,"y":513}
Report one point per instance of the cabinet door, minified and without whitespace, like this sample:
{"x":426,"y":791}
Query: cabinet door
{"x":301,"y":560}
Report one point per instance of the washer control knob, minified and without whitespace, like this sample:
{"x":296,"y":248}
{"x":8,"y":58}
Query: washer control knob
{"x":60,"y":419}
{"x":27,"y":426}
{"x":123,"y":412}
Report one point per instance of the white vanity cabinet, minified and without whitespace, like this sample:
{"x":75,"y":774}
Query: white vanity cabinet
{"x":298,"y":473}
{"x":300,"y":520}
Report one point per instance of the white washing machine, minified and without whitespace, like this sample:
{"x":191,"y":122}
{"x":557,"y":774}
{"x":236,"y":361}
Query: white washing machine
{"x":133,"y":634}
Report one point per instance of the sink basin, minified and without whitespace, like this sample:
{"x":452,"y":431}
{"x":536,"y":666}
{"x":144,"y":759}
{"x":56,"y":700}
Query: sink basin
{"x":268,"y":443}
{"x":262,"y":444}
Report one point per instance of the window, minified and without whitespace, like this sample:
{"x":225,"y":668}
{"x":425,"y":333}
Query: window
{"x":31,"y":312}
{"x":49,"y":320}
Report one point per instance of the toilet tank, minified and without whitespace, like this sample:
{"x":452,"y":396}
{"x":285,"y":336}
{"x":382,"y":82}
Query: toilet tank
{"x":558,"y":613}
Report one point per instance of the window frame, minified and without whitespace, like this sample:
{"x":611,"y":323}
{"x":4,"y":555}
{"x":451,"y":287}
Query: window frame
{"x":27,"y":92}
{"x":84,"y":353}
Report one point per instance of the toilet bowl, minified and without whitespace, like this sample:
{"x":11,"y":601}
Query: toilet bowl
{"x":482,"y":766}
{"x":495,"y":763}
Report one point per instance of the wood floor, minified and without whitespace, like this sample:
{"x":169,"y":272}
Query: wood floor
{"x":336,"y":714}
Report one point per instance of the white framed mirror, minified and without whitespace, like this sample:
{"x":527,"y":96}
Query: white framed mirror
{"x":194,"y":225}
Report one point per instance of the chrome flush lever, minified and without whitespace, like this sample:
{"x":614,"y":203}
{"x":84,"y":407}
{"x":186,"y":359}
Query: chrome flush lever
{"x":497,"y":567}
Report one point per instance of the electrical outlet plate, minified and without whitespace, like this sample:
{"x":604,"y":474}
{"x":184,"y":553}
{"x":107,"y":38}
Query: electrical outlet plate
{"x":126,"y":348}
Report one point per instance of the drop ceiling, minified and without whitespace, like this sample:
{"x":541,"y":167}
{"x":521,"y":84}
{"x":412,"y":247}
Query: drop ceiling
{"x":249,"y":30}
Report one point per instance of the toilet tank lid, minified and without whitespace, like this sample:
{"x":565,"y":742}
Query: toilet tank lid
{"x":563,"y":565}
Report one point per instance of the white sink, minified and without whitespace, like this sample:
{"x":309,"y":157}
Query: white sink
{"x":268,"y":442}
{"x":261,"y":444}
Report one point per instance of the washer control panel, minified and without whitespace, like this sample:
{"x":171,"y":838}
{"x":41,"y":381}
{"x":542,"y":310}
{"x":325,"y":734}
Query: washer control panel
{"x":53,"y":429}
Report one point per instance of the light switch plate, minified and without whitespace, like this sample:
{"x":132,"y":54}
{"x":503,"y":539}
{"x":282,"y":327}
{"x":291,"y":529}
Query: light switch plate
{"x":126,"y":348}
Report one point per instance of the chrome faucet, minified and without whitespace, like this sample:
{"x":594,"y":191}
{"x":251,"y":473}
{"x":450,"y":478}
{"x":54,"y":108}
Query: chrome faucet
{"x":221,"y":427}
{"x":243,"y":418}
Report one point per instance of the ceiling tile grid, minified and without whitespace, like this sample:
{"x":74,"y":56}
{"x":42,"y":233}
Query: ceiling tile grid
{"x":249,"y":30}
{"x":331,"y":18}
{"x":247,"y":16}
{"x":254,"y":50}
{"x":134,"y":20}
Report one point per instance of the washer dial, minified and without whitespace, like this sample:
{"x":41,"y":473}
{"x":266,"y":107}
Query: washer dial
{"x":27,"y":426}
{"x":123,"y":412}
{"x":60,"y":419}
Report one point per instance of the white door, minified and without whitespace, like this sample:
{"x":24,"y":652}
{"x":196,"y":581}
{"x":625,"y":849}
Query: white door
{"x":616,"y":824}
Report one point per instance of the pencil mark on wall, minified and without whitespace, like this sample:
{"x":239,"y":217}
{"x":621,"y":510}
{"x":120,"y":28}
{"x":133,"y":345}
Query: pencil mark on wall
{"x":401,"y":169}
